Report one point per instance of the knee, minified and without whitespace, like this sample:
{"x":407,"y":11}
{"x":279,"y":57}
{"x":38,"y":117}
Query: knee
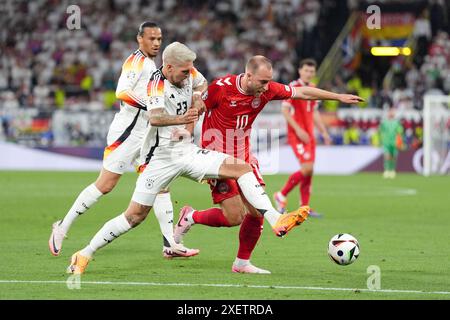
{"x":136,"y":218}
{"x":244,"y":168}
{"x":235,"y":220}
{"x":307,"y":172}
{"x":105,"y":187}
{"x":235,"y":217}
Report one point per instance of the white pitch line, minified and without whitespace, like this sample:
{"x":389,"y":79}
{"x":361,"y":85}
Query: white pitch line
{"x":225,"y":286}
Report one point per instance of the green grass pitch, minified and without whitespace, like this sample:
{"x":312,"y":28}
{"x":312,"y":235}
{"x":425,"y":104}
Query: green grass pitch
{"x":402,"y":226}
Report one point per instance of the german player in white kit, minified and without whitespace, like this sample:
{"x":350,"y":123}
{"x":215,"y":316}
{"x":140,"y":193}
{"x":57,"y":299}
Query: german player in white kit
{"x":124,"y":141}
{"x":172,"y":106}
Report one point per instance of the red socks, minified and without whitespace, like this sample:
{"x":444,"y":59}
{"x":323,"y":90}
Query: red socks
{"x":305,"y":190}
{"x":249,"y":234}
{"x":297,"y":178}
{"x":292,"y":182}
{"x":212,"y":217}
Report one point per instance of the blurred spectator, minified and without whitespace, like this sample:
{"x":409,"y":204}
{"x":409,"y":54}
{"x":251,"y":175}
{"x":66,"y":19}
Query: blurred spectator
{"x":43,"y":65}
{"x":402,"y":97}
{"x":47,"y":138}
{"x":412,"y":76}
{"x":438,"y":15}
{"x":3,"y":79}
{"x":422,"y":32}
{"x":41,"y":93}
{"x":380,"y":99}
{"x":352,"y":134}
{"x":96,"y":101}
{"x":10,"y":101}
{"x":41,"y":54}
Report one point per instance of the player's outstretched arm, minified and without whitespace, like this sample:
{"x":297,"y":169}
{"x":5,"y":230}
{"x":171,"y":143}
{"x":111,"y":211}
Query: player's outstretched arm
{"x":160,"y":118}
{"x":311,"y":93}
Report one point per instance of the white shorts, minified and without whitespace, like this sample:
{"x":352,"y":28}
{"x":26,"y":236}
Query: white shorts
{"x":163,"y":168}
{"x":124,"y":140}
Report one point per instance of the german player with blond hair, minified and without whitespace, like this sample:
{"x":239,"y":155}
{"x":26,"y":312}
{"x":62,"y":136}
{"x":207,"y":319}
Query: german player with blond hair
{"x":174,"y":103}
{"x":124,"y":141}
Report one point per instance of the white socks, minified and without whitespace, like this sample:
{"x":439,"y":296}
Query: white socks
{"x":257,"y":197}
{"x":85,"y":200}
{"x":241,"y":262}
{"x":282,"y":196}
{"x":110,"y":231}
{"x":164,"y":213}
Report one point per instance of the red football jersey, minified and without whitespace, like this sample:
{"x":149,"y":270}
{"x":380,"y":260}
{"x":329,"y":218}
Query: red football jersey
{"x":230,"y":114}
{"x":303,"y":113}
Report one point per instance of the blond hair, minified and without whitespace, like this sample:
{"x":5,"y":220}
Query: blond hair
{"x":177,"y":53}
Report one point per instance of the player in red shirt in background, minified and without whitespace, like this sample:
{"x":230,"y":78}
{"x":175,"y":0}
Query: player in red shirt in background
{"x":232,"y":103}
{"x":301,"y":116}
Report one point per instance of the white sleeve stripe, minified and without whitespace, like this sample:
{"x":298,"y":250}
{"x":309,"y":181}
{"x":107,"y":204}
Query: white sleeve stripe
{"x":131,"y":94}
{"x":136,"y":59}
{"x":154,"y":89}
{"x":135,"y":97}
{"x":155,"y":81}
{"x":133,"y":61}
{"x":293,"y":92}
{"x":152,"y":82}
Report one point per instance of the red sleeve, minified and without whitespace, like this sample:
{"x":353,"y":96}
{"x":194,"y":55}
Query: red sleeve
{"x":280,"y":91}
{"x":213,"y":95}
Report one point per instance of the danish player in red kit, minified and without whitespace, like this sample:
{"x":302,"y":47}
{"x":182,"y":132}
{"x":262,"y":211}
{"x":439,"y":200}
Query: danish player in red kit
{"x":301,"y":116}
{"x":232,"y":104}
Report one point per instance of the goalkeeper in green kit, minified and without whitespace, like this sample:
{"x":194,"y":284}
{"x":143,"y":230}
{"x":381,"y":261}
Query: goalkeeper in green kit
{"x":391,"y":139}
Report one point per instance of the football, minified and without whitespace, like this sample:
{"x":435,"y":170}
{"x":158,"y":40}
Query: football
{"x":343,"y":249}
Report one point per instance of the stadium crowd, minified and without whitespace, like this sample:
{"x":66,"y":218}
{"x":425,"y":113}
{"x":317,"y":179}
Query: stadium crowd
{"x":46,"y":66}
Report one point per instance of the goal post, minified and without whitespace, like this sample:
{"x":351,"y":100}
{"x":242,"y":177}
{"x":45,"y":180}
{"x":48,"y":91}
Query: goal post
{"x":436,"y":134}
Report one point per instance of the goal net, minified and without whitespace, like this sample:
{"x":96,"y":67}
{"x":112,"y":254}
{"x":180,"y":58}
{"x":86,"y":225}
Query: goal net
{"x":436,"y":135}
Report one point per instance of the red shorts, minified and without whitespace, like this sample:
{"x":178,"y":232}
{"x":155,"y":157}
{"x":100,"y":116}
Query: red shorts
{"x":227,"y":188}
{"x":304,"y":152}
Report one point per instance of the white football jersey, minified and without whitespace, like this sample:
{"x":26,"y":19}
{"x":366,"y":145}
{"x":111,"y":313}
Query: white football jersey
{"x":175,"y":101}
{"x":132,"y":86}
